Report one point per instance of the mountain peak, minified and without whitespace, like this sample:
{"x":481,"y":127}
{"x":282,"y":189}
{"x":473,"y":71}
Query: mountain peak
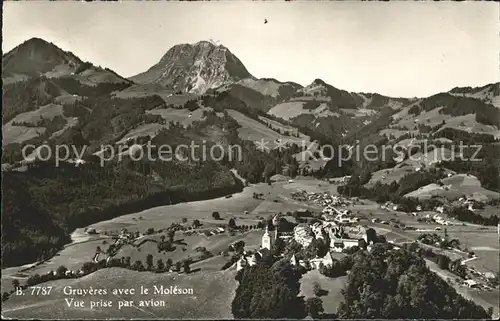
{"x":319,"y":82}
{"x":37,"y":56}
{"x":209,"y":43}
{"x":35,"y":40}
{"x":195,"y":68}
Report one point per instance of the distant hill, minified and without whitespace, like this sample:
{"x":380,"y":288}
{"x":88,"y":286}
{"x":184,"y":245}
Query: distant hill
{"x":36,"y":57}
{"x":489,"y":93}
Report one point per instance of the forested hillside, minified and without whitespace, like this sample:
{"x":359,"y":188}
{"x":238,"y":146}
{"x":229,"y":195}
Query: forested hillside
{"x":44,"y":204}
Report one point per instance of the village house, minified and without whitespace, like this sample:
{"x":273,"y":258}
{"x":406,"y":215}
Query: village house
{"x":338,"y":245}
{"x":471,"y":283}
{"x":327,"y":260}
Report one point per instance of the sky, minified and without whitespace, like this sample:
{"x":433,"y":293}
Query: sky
{"x":400,"y":49}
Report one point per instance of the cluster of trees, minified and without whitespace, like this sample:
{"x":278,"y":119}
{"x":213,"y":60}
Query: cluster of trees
{"x":338,"y":267}
{"x":111,"y":117}
{"x":433,"y":239}
{"x":488,"y":115}
{"x":467,"y":138}
{"x":258,"y":166}
{"x":27,"y":228}
{"x":369,"y":134}
{"x":166,"y":245}
{"x":422,"y":128}
{"x":485,"y":165}
{"x":395,"y":191}
{"x":317,"y":248}
{"x":268,"y":290}
{"x":191,"y":105}
{"x":398,"y":285}
{"x":462,"y":213}
{"x":413,"y":181}
{"x":459,"y":106}
{"x":82,"y":67}
{"x":234,"y":258}
{"x":311,"y":104}
{"x":445,"y":263}
{"x":314,"y":307}
{"x":415,"y":110}
{"x":24,"y":96}
{"x":485,"y":113}
{"x":436,"y":101}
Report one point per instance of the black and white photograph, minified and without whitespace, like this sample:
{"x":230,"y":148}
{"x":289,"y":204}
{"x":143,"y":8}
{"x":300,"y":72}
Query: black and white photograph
{"x":250,"y":160}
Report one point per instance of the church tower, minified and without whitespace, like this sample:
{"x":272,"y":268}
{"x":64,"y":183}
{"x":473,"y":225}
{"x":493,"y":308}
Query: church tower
{"x":267,"y":240}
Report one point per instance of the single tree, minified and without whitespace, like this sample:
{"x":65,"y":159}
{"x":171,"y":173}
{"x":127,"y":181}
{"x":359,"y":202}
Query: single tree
{"x":216,"y":215}
{"x":138,"y":266}
{"x":61,"y":270}
{"x":168,"y":264}
{"x":171,"y":235}
{"x":187,"y":268}
{"x":371,"y":236}
{"x":239,"y":246}
{"x":15,"y":283}
{"x":149,"y":262}
{"x":317,"y":289}
{"x":160,"y":266}
{"x":443,"y":262}
{"x":88,"y":267}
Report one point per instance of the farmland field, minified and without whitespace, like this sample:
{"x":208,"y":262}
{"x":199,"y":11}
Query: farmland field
{"x":253,"y":130}
{"x":293,"y":109}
